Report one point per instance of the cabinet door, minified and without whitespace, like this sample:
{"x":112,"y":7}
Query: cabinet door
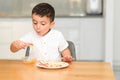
{"x":92,"y":39}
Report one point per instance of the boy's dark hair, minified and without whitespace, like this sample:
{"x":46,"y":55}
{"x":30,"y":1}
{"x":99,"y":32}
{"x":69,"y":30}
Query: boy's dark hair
{"x":44,"y":9}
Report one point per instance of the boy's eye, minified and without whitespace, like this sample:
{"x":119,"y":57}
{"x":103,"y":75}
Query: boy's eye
{"x":34,"y":23}
{"x":43,"y":24}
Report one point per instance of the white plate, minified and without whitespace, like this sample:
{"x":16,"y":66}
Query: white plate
{"x":51,"y":65}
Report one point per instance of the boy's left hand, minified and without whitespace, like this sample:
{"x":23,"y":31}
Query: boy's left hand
{"x":67,"y":58}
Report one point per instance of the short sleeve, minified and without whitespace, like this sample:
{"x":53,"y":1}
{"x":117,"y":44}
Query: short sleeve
{"x":62,"y":42}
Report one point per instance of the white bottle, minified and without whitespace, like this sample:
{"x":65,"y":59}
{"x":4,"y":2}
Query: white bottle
{"x":94,"y":6}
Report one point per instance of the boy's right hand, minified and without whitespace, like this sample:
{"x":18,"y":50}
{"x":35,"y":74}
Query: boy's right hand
{"x":17,"y":45}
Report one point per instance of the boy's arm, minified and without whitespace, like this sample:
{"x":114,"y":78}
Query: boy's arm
{"x":66,"y":55}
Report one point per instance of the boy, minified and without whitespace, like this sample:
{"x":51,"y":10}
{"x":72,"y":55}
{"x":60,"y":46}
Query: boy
{"x":51,"y":43}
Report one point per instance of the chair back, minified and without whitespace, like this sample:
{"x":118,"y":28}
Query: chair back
{"x":72,"y":49}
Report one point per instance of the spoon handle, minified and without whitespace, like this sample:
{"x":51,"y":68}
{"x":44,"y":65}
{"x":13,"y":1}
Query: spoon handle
{"x":27,"y":51}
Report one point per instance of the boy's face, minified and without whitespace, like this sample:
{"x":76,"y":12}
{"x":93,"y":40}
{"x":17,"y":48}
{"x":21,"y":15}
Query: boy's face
{"x":41,"y":25}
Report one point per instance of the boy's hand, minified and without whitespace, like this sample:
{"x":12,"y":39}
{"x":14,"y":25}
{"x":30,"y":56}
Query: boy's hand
{"x":17,"y":45}
{"x":67,"y":58}
{"x":21,"y":45}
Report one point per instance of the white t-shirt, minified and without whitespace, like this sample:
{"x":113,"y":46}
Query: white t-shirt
{"x":46,"y":47}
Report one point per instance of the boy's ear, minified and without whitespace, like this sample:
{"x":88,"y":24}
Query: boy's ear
{"x":52,"y":24}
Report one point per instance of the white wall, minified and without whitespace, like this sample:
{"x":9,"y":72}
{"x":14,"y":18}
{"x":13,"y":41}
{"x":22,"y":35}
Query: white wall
{"x":109,"y":29}
{"x":116,"y":57}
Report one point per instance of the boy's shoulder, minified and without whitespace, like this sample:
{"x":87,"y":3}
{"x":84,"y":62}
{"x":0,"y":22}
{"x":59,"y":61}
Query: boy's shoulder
{"x":56,"y":31}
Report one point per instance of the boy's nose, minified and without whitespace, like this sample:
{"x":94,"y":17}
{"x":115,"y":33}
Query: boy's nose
{"x":38,"y":26}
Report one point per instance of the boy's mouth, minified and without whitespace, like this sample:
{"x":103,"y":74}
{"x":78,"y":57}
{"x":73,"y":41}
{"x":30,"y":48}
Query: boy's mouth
{"x":38,"y":31}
